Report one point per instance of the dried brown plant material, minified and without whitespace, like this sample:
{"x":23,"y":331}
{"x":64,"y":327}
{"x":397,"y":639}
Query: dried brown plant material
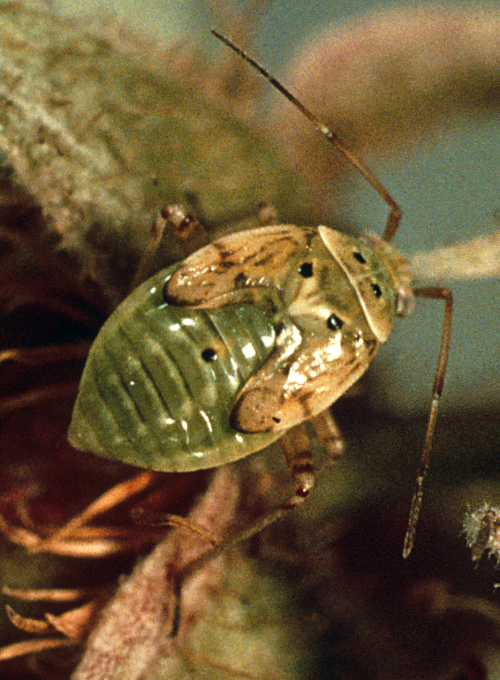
{"x":18,"y":649}
{"x":79,"y":537}
{"x":132,"y":639}
{"x":67,"y":629}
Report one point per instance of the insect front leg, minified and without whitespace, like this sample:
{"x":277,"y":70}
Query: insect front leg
{"x":190,"y":233}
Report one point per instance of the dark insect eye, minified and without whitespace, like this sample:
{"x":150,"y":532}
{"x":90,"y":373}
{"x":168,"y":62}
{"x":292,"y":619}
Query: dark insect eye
{"x":334,"y":323}
{"x":357,"y":256}
{"x":377,"y":290}
{"x":306,"y":270}
{"x":209,"y":354}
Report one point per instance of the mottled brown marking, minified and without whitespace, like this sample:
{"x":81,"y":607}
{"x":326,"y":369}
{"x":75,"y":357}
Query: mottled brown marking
{"x":223,"y":250}
{"x":324,"y":278}
{"x":240,"y":280}
{"x":225,"y":264}
{"x":303,"y":401}
{"x":310,"y":234}
{"x":263,"y":261}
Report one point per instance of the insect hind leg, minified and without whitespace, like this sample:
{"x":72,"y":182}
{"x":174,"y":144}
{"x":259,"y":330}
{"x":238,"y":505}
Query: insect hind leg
{"x":295,"y":445}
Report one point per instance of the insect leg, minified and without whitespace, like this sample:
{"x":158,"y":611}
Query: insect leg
{"x":434,"y":294}
{"x":190,"y":233}
{"x":329,"y":433}
{"x":295,"y":445}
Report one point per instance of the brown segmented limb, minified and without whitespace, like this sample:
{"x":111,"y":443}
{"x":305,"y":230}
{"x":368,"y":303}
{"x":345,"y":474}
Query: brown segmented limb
{"x":182,"y":523}
{"x":395,"y":211}
{"x":190,"y":234}
{"x":295,"y":445}
{"x":297,"y":452}
{"x":327,"y":430}
{"x":433,"y":294}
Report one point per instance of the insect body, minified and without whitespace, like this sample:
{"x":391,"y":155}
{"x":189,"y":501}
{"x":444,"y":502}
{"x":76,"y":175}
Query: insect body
{"x":215,"y":358}
{"x":248,"y":337}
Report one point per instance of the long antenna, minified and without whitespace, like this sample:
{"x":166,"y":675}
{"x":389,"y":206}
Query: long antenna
{"x":395,"y":211}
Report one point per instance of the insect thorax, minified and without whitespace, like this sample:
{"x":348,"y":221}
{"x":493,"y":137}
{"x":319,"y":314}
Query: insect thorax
{"x":379,"y":274}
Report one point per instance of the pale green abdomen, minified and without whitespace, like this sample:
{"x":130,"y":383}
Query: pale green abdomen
{"x":153,"y":395}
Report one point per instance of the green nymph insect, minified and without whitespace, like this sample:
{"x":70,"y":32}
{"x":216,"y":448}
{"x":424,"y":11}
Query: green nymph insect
{"x":218,"y":356}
